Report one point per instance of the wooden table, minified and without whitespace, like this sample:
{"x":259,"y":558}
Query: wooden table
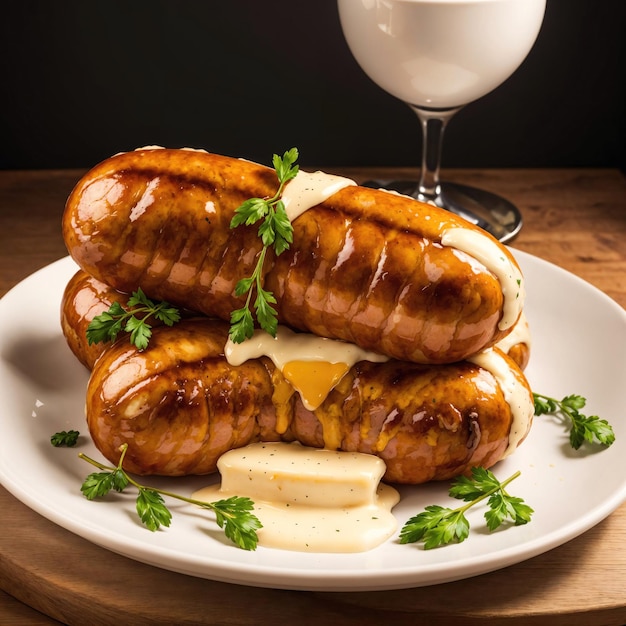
{"x":574,"y":218}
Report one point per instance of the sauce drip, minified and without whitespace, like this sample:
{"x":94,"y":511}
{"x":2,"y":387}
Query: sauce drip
{"x":489,"y":253}
{"x":519,"y":334}
{"x":289,"y":351}
{"x":515,"y":394}
{"x":314,"y":379}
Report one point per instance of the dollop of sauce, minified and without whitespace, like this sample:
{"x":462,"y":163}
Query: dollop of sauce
{"x":307,"y":190}
{"x":313,"y":365}
{"x":308,"y":499}
{"x":515,"y":394}
{"x":489,"y":253}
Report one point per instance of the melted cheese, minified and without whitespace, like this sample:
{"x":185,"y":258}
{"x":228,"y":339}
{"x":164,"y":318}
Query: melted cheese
{"x":327,"y":360}
{"x":490,"y":254}
{"x":308,"y":499}
{"x":281,"y":399}
{"x":314,"y":379}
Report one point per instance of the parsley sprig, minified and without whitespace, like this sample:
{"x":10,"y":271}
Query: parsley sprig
{"x":232,"y":514}
{"x":582,"y":427}
{"x":275,"y":232}
{"x":438,"y":526}
{"x":106,"y":326}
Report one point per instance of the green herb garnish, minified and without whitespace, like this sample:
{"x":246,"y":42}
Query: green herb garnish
{"x":106,"y":326}
{"x":438,"y":526}
{"x":582,"y":427}
{"x":66,"y":438}
{"x":232,"y":514}
{"x":275,"y":232}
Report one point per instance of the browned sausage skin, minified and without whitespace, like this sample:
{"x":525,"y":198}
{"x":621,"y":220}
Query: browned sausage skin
{"x":179,"y":405}
{"x":520,"y":353}
{"x":366,"y":266}
{"x":85,"y":297}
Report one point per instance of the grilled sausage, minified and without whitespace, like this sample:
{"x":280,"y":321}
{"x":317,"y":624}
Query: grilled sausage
{"x":179,"y":406}
{"x":85,"y":297}
{"x":366,"y":266}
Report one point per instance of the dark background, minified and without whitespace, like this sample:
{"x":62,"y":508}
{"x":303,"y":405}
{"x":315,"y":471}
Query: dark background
{"x":82,"y":80}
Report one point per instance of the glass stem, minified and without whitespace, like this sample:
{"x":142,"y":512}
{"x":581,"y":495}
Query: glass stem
{"x":433,"y":122}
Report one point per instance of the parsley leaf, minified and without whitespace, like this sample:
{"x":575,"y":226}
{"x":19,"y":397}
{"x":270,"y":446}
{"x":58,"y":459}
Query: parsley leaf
{"x":468,"y":489}
{"x":582,"y":427}
{"x":99,"y":484}
{"x":239,"y":525}
{"x":275,"y":232}
{"x":503,"y":507}
{"x":133,"y":320}
{"x":152,"y":510}
{"x":67,"y":438}
{"x":439,"y":526}
{"x":232,"y":514}
{"x":436,"y":525}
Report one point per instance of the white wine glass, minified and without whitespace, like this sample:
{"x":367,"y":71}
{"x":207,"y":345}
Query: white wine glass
{"x":437,"y":56}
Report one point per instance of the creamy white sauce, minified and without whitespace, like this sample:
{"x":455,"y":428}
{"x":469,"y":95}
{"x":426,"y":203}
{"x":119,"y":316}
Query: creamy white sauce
{"x":288,"y":347}
{"x":519,"y":334}
{"x":489,"y":253}
{"x":515,"y":394}
{"x":307,"y":190}
{"x":291,"y":346}
{"x":393,"y":192}
{"x":310,"y":500}
{"x":155,"y":147}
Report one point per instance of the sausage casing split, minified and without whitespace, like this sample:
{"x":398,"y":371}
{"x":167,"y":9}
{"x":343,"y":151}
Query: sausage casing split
{"x":366,"y":266}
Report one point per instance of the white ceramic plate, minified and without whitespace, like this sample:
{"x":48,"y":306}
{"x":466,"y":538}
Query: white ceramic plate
{"x":578,"y":347}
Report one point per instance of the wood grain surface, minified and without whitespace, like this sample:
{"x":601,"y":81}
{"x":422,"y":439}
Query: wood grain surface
{"x":573,"y":218}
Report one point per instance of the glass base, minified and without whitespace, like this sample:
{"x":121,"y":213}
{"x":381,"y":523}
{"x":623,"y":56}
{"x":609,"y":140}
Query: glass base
{"x":491,"y":212}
